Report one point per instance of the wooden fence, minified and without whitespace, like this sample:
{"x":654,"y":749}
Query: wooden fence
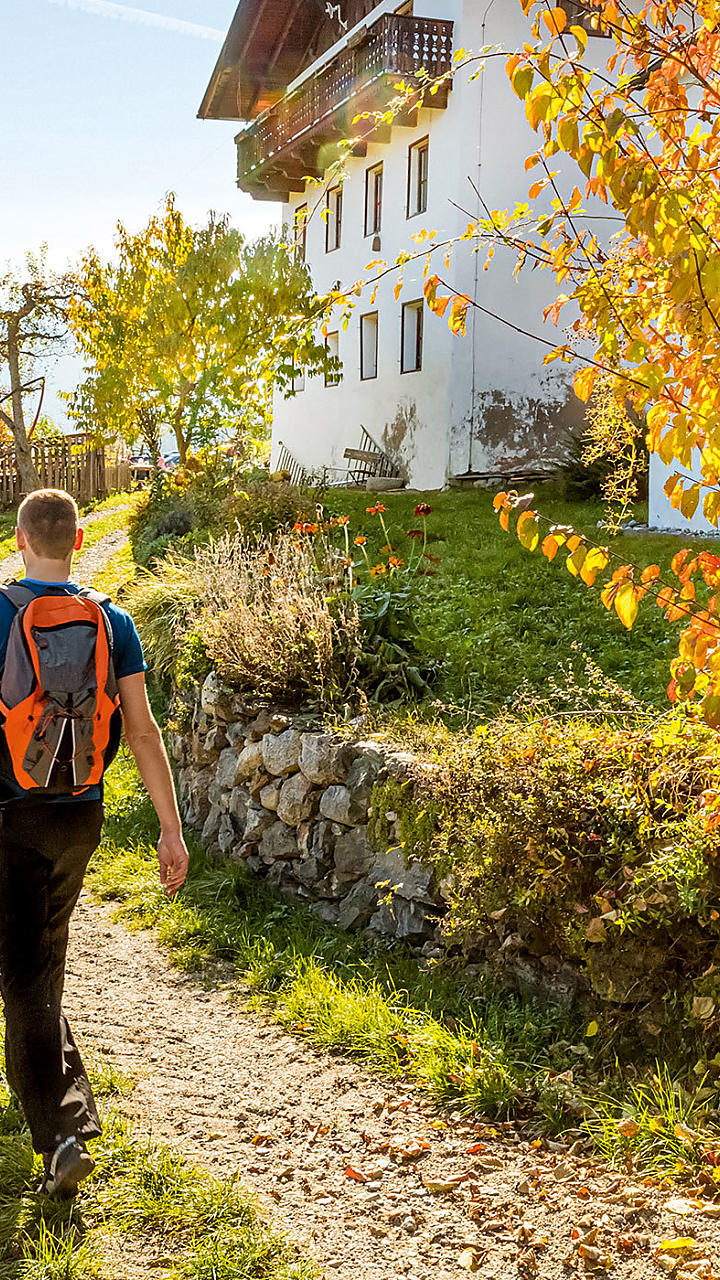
{"x":75,"y":464}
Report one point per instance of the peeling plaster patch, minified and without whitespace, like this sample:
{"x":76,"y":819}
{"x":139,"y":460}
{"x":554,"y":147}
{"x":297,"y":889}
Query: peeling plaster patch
{"x":398,"y":437}
{"x":517,"y":430}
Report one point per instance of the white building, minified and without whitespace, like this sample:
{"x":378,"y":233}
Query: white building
{"x":440,"y":407}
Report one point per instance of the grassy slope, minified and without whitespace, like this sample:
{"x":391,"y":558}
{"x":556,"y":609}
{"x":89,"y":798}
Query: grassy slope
{"x":495,"y":614}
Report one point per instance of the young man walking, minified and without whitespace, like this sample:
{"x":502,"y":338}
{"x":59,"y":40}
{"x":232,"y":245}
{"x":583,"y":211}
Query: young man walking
{"x":60,"y":713}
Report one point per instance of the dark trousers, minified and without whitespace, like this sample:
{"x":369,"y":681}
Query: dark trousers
{"x":44,"y":853}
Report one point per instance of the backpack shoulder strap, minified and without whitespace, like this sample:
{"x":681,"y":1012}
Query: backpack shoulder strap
{"x":17,"y":594}
{"x":97,"y":597}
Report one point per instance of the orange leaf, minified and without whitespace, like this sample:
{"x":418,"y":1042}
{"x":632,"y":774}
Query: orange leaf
{"x":355,"y":1174}
{"x":550,"y":547}
{"x":556,"y":21}
{"x":583,"y":382}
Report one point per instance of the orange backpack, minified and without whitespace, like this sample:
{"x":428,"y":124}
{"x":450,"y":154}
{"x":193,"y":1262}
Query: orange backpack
{"x":58,"y":692}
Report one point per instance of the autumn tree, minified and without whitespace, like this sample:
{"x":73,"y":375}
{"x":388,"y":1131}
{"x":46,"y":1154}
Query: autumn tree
{"x":643,"y":134}
{"x":33,"y":325}
{"x":188,"y":329}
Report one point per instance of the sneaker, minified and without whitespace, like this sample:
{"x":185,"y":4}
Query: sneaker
{"x":66,"y":1168}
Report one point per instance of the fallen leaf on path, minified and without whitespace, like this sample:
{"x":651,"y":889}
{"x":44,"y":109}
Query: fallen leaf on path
{"x":355,"y":1175}
{"x":681,"y":1206}
{"x":470,"y":1259}
{"x":628,"y":1128}
{"x":680,"y":1244}
{"x":450,"y":1184}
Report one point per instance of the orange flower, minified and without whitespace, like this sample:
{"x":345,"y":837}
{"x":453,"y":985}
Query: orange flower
{"x":395,"y":562}
{"x":360,"y":541}
{"x":422,"y":509}
{"x":343,"y":520}
{"x":378,"y":571}
{"x":387,"y":549}
{"x":374,"y":511}
{"x":304,"y":526}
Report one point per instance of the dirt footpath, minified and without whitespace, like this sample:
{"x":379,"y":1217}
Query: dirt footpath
{"x":366,"y":1176}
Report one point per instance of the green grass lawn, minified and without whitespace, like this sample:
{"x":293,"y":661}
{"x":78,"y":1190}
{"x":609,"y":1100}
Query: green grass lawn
{"x":494,"y":614}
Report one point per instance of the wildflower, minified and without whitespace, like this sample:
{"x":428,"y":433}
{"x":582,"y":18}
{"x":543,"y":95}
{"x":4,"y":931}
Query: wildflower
{"x":378,"y":571}
{"x":395,"y":562}
{"x":377,"y":510}
{"x":387,"y":549}
{"x":422,"y":509}
{"x":429,"y":556}
{"x":360,"y":541}
{"x":304,"y":526}
{"x":415,"y":533}
{"x":342,"y":521}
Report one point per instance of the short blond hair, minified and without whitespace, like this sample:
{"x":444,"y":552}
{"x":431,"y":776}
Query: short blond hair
{"x":50,"y":520}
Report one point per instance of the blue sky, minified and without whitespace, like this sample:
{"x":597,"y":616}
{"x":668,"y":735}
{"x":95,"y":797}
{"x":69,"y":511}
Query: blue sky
{"x":98,"y":121}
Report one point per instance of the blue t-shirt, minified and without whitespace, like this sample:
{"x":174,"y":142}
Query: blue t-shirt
{"x":128,"y":660}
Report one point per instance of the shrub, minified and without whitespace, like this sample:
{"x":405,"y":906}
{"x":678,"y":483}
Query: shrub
{"x":263,"y":507}
{"x":580,"y":842}
{"x":260,"y":613}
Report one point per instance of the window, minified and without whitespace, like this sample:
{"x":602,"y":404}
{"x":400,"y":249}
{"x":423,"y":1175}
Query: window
{"x":332,"y":347}
{"x":300,"y":222}
{"x":369,"y":345}
{"x":580,"y":13}
{"x":418,"y":178}
{"x":373,"y":200}
{"x":333,"y":219}
{"x":412,"y":337}
{"x":298,"y":378}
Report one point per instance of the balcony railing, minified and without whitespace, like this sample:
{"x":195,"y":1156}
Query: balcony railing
{"x":362,"y":77}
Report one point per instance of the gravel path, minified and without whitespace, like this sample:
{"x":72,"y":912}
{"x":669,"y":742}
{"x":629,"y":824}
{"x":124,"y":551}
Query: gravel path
{"x":365,"y":1175}
{"x":87,"y":563}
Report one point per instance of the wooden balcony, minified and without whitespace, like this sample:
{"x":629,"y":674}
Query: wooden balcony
{"x":283,"y":146}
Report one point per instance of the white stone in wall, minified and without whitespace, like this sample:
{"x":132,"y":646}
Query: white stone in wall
{"x":281,"y":752}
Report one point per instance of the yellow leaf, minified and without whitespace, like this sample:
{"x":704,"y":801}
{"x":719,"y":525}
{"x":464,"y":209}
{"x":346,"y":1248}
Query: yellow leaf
{"x":689,"y":501}
{"x":595,"y":561}
{"x":398,"y":290}
{"x":528,"y":530}
{"x":680,"y":1244}
{"x":626,"y":604}
{"x":458,"y":315}
{"x":628,"y":1128}
{"x":592,"y":1030}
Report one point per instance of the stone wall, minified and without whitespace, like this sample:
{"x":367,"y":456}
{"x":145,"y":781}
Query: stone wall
{"x":293,"y":801}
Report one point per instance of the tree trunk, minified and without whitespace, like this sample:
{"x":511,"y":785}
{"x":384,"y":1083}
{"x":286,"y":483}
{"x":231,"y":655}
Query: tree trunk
{"x":179,"y":436}
{"x":27,"y":471}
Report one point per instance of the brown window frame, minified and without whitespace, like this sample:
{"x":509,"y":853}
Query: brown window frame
{"x":371,"y":175}
{"x":421,"y":147}
{"x":338,"y":192}
{"x":300,"y":221}
{"x":417,"y":306}
{"x":298,"y":376}
{"x":369,"y":377}
{"x":333,"y":379}
{"x":581,"y":14}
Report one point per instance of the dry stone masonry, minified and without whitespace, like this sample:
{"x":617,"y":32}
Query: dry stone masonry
{"x":292,"y":802}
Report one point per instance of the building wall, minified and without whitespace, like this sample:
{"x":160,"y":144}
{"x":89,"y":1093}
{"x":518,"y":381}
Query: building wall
{"x":479,"y":401}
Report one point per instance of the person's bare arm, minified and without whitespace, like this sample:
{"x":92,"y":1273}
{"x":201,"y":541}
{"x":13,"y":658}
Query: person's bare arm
{"x":145,"y":741}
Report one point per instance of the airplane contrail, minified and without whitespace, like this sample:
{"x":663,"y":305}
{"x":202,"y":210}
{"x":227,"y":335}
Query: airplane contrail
{"x":128,"y":13}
